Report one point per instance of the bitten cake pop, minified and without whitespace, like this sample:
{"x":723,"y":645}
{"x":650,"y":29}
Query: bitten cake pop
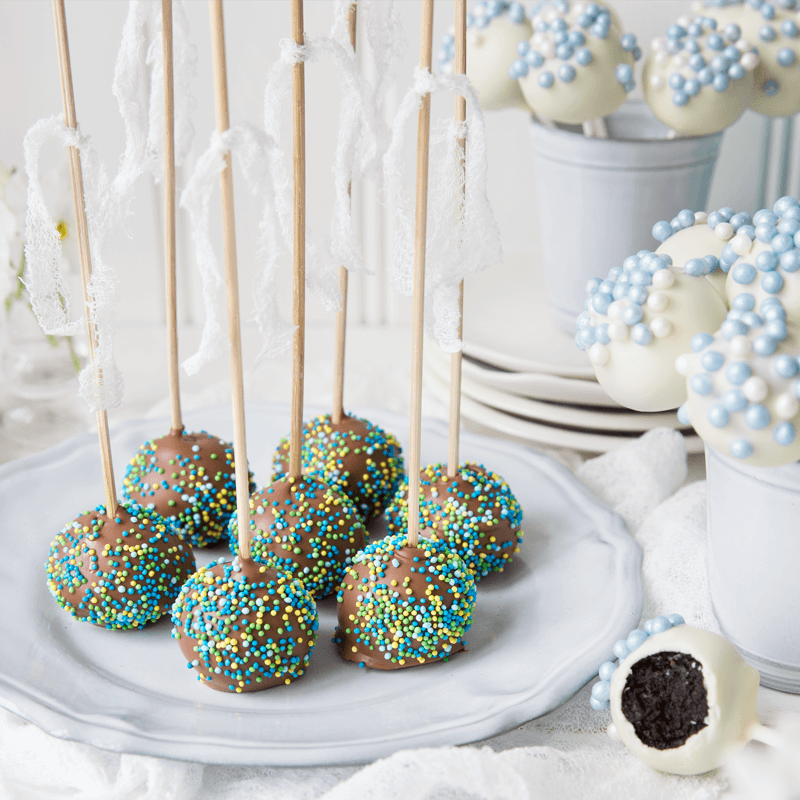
{"x":244,"y":626}
{"x":474,"y":512}
{"x":638,"y":321}
{"x":189,"y":479}
{"x":355,"y":456}
{"x":118,"y":572}
{"x":682,"y":700}
{"x":305,"y":527}
{"x":697,"y":246}
{"x":697,"y":79}
{"x":400,"y":606}
{"x":766,"y":259}
{"x":743,"y":385}
{"x":575,"y":68}
{"x":494,"y":31}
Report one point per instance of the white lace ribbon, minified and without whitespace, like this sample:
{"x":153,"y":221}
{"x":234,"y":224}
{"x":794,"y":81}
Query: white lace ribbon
{"x":256,"y":152}
{"x":462,"y":235}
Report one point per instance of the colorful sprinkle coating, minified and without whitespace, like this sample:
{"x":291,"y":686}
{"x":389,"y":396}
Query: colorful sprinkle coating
{"x":355,"y":456}
{"x":244,"y":627}
{"x":306,"y":528}
{"x":474,"y":512}
{"x":119,"y":573}
{"x":401,"y":606}
{"x":189,"y":479}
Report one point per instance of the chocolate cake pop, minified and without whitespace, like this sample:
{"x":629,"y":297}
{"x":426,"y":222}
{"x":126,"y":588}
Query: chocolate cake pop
{"x":119,"y":572}
{"x":187,"y":478}
{"x":305,"y":527}
{"x":354,"y":456}
{"x":698,"y":79}
{"x":474,"y":512}
{"x":682,"y":699}
{"x":638,"y":321}
{"x":401,"y":606}
{"x":244,"y":626}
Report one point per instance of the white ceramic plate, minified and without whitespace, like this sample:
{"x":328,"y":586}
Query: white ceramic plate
{"x":534,"y":385}
{"x":540,"y":629}
{"x":507,"y":323}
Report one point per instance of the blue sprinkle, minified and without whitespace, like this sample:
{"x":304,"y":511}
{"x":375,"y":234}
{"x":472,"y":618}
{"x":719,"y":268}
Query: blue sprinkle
{"x":701,"y":383}
{"x":744,"y":274}
{"x":757,"y":417}
{"x":718,"y":416}
{"x":734,"y":400}
{"x":741,"y":448}
{"x":784,"y":434}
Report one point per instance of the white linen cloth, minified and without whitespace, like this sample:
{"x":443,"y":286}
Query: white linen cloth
{"x":564,"y":754}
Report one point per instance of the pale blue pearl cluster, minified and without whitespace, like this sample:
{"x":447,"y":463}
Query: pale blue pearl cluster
{"x":771,"y":31}
{"x":719,"y":72}
{"x":570,"y":47}
{"x":630,"y":281}
{"x":481,"y":17}
{"x":779,"y":228}
{"x":599,"y":700}
{"x":764,"y":329}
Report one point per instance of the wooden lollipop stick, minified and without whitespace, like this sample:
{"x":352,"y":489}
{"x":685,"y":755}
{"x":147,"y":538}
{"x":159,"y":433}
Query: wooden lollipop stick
{"x":418,"y":318}
{"x":68,"y":97}
{"x":299,"y":254}
{"x":455,"y":358}
{"x":231,"y":285}
{"x":337,"y":412}
{"x":169,"y":215}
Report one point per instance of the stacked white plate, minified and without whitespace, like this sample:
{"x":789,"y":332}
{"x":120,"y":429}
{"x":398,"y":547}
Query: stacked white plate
{"x":523,"y":375}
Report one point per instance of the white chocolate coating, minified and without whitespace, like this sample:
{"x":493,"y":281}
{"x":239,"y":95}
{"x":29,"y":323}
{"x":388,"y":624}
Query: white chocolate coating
{"x":743,"y":404}
{"x":694,"y":87}
{"x":731,"y":687}
{"x":642,"y":376}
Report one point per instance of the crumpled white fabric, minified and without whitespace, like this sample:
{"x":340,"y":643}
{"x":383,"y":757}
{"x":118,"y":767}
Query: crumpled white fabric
{"x":462,"y":235}
{"x":256,"y":153}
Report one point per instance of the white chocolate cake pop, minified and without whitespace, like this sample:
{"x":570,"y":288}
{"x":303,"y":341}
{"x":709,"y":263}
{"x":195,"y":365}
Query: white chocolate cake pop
{"x":638,"y":321}
{"x":577,"y":66}
{"x":698,"y":79}
{"x":744,"y":385}
{"x":696,"y":246}
{"x":493,"y":31}
{"x":767,"y":262}
{"x":682,"y":699}
{"x":773,"y":28}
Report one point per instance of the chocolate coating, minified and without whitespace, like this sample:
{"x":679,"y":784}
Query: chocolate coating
{"x":189,"y":479}
{"x":354,"y":456}
{"x":244,"y":627}
{"x":475,"y":512}
{"x":305,"y":527}
{"x":119,"y":572}
{"x":402,"y":606}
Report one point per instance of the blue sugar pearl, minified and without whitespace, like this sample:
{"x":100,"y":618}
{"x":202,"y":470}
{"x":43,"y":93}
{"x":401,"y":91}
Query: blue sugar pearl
{"x":741,"y":448}
{"x":607,"y":670}
{"x":765,"y":217}
{"x":700,"y":341}
{"x":566,"y":73}
{"x":585,"y":338}
{"x":790,"y":226}
{"x":565,"y":51}
{"x":748,"y":230}
{"x":558,"y":24}
{"x":772,"y":308}
{"x":790,"y":29}
{"x":600,"y":31}
{"x":736,"y":72}
{"x":641,"y":334}
{"x":772,"y":282}
{"x":606,"y":286}
{"x":744,"y":302}
{"x":516,"y":13}
{"x":578,"y":343}
{"x":676,"y":31}
{"x":771,"y":88}
{"x":734,"y":400}
{"x":659,"y":625}
{"x":720,"y":63}
{"x":711,"y":262}
{"x":620,"y":290}
{"x":637,"y":53}
{"x":715,"y":42}
{"x":720,"y":82}
{"x":742,"y":218}
{"x":712,"y":360}
{"x":785,"y":57}
{"x":764,"y":345}
{"x":757,"y":417}
{"x":662,"y":231}
{"x":676,"y":619}
{"x":632,"y":314}
{"x":744,"y":274}
{"x":632,"y":262}
{"x":598,"y":705}
{"x":785,"y":366}
{"x":692,"y":87}
{"x":738,"y":372}
{"x":783,"y":204}
{"x":694,"y":29}
{"x":676,"y":81}
{"x":701,"y":384}
{"x":546,"y":80}
{"x":620,"y":649}
{"x":623,"y":73}
{"x":576,"y":38}
{"x":523,"y":47}
{"x":697,"y":62}
{"x":776,"y":328}
{"x":686,"y":217}
{"x":583,"y":57}
{"x":535,"y":59}
{"x":592,"y":285}
{"x":767,"y":33}
{"x":766,"y":233}
{"x":518,"y":69}
{"x":636,"y":638}
{"x":659,"y":262}
{"x":766,"y":261}
{"x":601,"y":302}
{"x":628,"y":42}
{"x":695,"y":266}
{"x":714,"y":219}
{"x":601,"y":333}
{"x":784,"y":434}
{"x":727,"y":257}
{"x":637,"y":295}
{"x":727,"y":213}
{"x":683,"y":415}
{"x":782,"y":242}
{"x":718,"y":416}
{"x":732,"y":32}
{"x":767,"y":11}
{"x":705,"y":76}
{"x":751,"y":319}
{"x":601,"y":691}
{"x":732,"y":54}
